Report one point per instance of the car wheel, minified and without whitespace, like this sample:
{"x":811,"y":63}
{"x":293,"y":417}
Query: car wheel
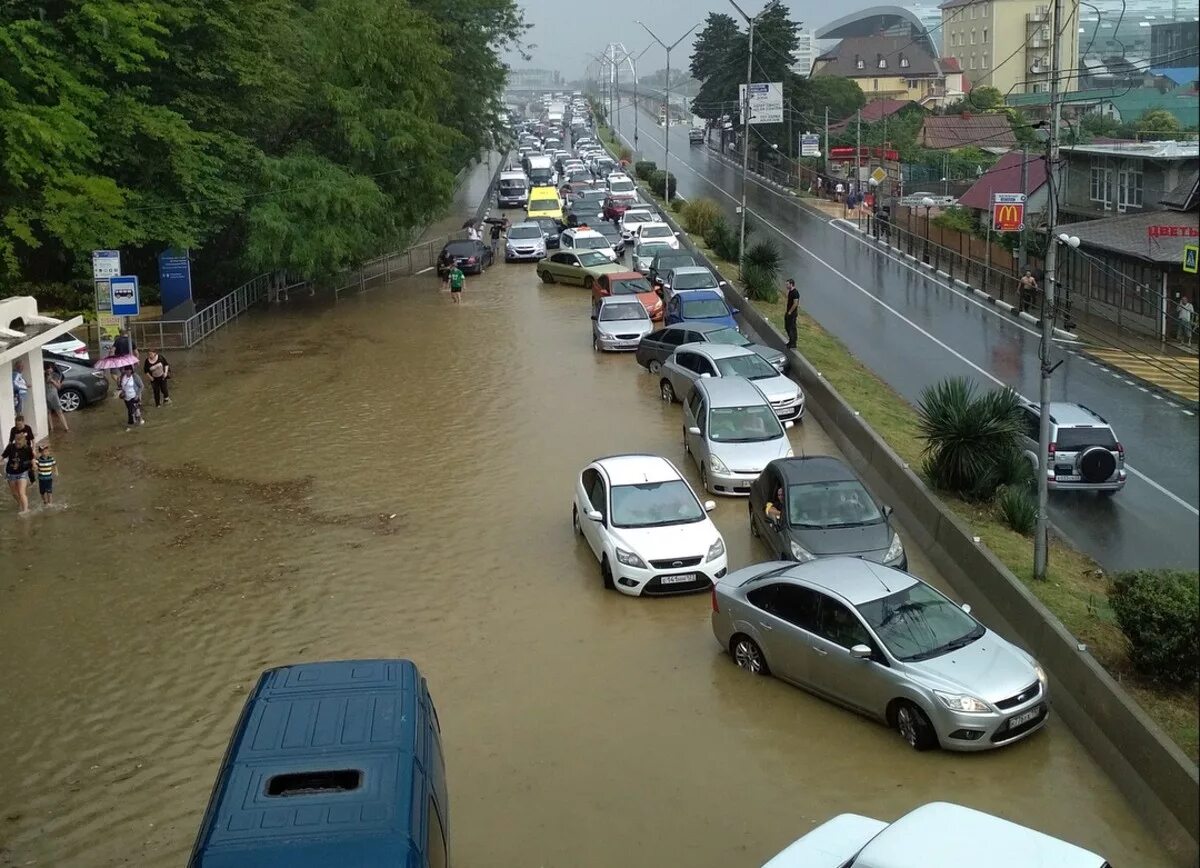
{"x":666,"y":391}
{"x":748,"y":656}
{"x":588,"y":283}
{"x":547,"y":277}
{"x":606,"y":574}
{"x":578,"y":531}
{"x":914,"y":726}
{"x":596,"y":344}
{"x":70,"y":399}
{"x":686,"y":448}
{"x":655,"y":366}
{"x":753,"y":527}
{"x":703,"y":477}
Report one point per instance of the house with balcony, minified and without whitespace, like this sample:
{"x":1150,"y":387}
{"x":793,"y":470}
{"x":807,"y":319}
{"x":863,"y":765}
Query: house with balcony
{"x":893,"y":68}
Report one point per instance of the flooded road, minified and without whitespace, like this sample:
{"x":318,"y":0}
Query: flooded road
{"x":391,"y":476}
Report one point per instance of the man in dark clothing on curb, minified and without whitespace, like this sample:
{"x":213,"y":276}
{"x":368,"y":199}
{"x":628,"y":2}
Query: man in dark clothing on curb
{"x":791,"y":312}
{"x":499,"y":225}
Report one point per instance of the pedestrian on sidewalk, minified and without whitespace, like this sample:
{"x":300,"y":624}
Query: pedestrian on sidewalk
{"x":131,"y":388}
{"x":156,"y":368}
{"x":54,"y":381}
{"x":18,"y":463}
{"x":47,"y":469}
{"x":19,"y":386}
{"x":1187,"y":317}
{"x":838,"y":191}
{"x":791,"y":312}
{"x":1027,"y":290}
{"x":456,"y":279}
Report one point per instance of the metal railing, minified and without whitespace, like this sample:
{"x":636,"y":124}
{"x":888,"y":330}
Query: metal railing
{"x":403,"y":263}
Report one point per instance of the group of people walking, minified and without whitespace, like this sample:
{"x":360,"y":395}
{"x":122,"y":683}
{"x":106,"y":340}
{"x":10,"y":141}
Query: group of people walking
{"x":25,"y":463}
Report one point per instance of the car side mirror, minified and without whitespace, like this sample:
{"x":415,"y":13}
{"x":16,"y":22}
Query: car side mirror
{"x":594,"y":317}
{"x":887,"y":512}
{"x":575,"y":265}
{"x":861,"y":652}
{"x":694,"y":430}
{"x":735,"y":310}
{"x":710,"y":505}
{"x":705,"y":376}
{"x":594,"y":514}
{"x":966,"y":607}
{"x":789,"y":425}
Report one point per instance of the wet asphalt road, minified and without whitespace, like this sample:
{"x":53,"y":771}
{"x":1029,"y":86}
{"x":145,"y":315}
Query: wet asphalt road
{"x":913,"y":331}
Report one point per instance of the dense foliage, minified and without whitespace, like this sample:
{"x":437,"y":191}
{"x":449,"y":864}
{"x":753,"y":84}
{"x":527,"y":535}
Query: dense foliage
{"x":305,"y":135}
{"x":1159,"y":612}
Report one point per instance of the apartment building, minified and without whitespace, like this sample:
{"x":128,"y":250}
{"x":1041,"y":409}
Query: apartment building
{"x":1005,"y":44}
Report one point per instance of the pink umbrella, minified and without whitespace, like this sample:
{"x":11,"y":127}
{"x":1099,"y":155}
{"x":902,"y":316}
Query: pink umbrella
{"x":110,"y":362}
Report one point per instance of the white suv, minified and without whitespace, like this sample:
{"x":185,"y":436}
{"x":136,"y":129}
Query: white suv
{"x":1085,"y":454}
{"x":646,"y":527}
{"x":581,"y":238}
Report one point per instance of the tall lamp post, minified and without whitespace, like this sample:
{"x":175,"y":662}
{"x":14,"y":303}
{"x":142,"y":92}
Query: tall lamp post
{"x":667,"y":132}
{"x":746,"y":115}
{"x":927,"y":203}
{"x":636,"y":108}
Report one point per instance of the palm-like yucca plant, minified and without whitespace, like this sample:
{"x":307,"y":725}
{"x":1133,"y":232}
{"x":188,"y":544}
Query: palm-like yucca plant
{"x":969,"y":439}
{"x":764,"y":256}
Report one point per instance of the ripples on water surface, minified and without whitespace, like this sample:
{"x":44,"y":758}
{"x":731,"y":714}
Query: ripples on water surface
{"x":392,"y":477}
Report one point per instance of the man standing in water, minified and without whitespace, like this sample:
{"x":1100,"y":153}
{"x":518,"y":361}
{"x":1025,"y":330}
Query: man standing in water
{"x":791,"y":312}
{"x":457,"y":279}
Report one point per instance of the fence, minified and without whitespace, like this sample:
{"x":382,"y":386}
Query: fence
{"x":413,"y":260}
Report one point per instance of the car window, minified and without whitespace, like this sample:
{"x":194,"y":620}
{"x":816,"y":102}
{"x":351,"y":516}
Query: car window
{"x":696,"y":280}
{"x":694,"y":404}
{"x":629,"y":286}
{"x":753,"y":424}
{"x":918,"y":623}
{"x":656,"y":232}
{"x":671,"y":337}
{"x":839,"y":625}
{"x":562,"y":258}
{"x":591,"y":242}
{"x":750,"y":366}
{"x":704,"y":308}
{"x":704,"y":365}
{"x":591,"y":258}
{"x":1079,"y":439}
{"x":595,"y":490}
{"x":793,"y":603}
{"x":1031,"y":424}
{"x":726,"y":335}
{"x":524,"y":232}
{"x":690,"y":337}
{"x":655,"y":504}
{"x":623,"y":312}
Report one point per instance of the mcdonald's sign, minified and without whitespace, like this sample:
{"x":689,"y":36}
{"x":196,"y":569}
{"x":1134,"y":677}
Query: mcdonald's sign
{"x":1008,"y":212}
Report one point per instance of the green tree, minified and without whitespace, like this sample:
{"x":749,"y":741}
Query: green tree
{"x":1158,"y":121}
{"x":986,"y":98}
{"x":713,"y":64}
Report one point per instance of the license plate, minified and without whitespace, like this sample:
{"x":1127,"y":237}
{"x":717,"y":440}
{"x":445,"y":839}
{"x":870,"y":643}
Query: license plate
{"x":1062,"y":478}
{"x":1014,"y":722}
{"x":678,"y":580}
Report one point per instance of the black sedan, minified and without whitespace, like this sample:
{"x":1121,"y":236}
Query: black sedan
{"x":551,"y":229}
{"x":472,"y":257}
{"x":815,"y":507}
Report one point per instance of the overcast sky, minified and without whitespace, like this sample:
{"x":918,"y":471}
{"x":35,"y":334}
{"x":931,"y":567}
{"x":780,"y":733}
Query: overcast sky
{"x":563,"y":32}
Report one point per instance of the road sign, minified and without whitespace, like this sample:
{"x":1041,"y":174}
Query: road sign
{"x":879,"y":175}
{"x":1008,"y":212}
{"x":125,"y":296}
{"x":766,"y":101}
{"x":106,"y":264}
{"x":103,"y":295}
{"x":918,"y":200}
{"x":810,"y":145}
{"x":174,"y":278}
{"x":1191,"y":258}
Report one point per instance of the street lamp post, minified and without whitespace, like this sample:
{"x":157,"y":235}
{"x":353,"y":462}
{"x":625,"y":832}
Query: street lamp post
{"x":636,"y":108}
{"x":746,"y":115}
{"x":667,"y":131}
{"x":927,"y":203}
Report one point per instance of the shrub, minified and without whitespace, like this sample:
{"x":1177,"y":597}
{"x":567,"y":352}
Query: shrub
{"x":625,"y":154}
{"x":699,"y":215}
{"x":723,"y":240}
{"x":1018,"y":507}
{"x":764,"y":255}
{"x":757,"y":282}
{"x":969,"y":438}
{"x":677,"y":204}
{"x":657,"y":181}
{"x":1159,"y":612}
{"x":643,"y":168}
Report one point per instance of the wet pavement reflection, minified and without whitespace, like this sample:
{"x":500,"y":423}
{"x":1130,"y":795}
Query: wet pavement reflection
{"x":391,"y":476}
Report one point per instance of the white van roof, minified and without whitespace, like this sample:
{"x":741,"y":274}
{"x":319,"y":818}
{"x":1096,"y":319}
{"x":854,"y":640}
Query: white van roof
{"x":513,"y":175}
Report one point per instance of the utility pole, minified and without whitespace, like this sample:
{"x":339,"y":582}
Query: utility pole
{"x":1041,"y":534}
{"x":1025,"y":192}
{"x":667,"y":130}
{"x":826,"y":148}
{"x":858,"y":162}
{"x":746,"y":116}
{"x":636,"y":104}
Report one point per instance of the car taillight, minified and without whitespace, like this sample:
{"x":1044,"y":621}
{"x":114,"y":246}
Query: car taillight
{"x":715,"y":607}
{"x":470,"y":260}
{"x":1120,"y":449}
{"x":1052,"y":448}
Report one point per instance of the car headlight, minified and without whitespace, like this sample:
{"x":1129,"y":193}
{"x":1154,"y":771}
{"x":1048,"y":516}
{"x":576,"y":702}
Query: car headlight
{"x":802,"y":554}
{"x":629,"y":559}
{"x":716,"y":549}
{"x":718,"y":465}
{"x":963,"y":702}
{"x":895,"y":550}
{"x":1041,"y":675}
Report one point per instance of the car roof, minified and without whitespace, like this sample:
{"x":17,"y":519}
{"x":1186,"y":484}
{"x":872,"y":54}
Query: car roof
{"x":633,"y":469}
{"x":1065,"y":414}
{"x":691,"y":269}
{"x":512,"y":175}
{"x":856,"y":580}
{"x":531,"y":224}
{"x":702,"y":327}
{"x":625,"y":275}
{"x":730,"y":392}
{"x":581,"y":231}
{"x":938,"y":835}
{"x":694,"y":294}
{"x":654,"y":223}
{"x":717,"y":351}
{"x":608,"y":300}
{"x":813,"y":468}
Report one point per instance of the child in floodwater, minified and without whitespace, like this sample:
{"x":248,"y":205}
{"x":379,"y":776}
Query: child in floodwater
{"x":47,"y":469}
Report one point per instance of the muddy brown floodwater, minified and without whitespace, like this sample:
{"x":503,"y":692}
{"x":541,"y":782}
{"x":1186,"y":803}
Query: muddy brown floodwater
{"x":392,"y":476}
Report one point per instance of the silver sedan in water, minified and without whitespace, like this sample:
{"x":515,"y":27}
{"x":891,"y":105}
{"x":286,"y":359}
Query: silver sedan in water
{"x":885,"y":644}
{"x":693,"y":361}
{"x":619,"y":322}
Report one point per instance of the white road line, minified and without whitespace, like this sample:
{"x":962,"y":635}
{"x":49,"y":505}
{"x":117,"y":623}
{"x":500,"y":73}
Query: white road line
{"x":987,"y":374}
{"x":423,"y":270}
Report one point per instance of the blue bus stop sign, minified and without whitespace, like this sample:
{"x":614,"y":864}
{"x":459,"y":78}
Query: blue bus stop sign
{"x":125,"y":296}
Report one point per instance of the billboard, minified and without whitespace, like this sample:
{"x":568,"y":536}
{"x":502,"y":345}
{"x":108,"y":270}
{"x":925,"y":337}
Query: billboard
{"x":766,"y":101}
{"x":1008,"y":212}
{"x":810,"y":145}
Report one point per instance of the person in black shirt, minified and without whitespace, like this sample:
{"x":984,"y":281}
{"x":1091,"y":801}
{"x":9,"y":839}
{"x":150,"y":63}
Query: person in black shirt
{"x":18,"y":463}
{"x":124,"y":344}
{"x":791,"y":312}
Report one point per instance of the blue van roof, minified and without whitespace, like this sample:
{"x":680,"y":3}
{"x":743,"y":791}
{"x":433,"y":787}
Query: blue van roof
{"x":271,"y":807}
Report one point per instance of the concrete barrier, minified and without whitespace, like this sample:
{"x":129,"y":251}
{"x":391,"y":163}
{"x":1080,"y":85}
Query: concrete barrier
{"x":1149,"y":769}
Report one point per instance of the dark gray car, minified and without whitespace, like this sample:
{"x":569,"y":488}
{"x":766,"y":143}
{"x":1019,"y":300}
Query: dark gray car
{"x":82,"y":384}
{"x":820,"y":508}
{"x":655,"y":348}
{"x":669,"y":259}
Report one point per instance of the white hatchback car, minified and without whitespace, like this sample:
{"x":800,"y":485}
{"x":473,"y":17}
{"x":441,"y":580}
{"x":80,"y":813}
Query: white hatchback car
{"x":937,"y":835}
{"x":631,"y":219}
{"x":656,"y":232}
{"x":646,"y":527}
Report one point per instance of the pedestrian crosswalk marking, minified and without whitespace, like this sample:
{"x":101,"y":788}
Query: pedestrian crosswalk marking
{"x":1179,"y":375}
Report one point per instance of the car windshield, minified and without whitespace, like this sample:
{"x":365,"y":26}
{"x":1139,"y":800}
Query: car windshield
{"x":630,"y":286}
{"x":728,"y":336}
{"x":541,"y":176}
{"x":589,"y":258}
{"x":655,"y":504}
{"x":622,"y":312}
{"x":844,"y":503}
{"x":622,"y":186}
{"x":632,"y":217}
{"x":674,"y":260}
{"x":656,"y":232}
{"x":919,"y":623}
{"x":750,"y":366}
{"x":461,"y":248}
{"x":549,"y":227}
{"x":704,"y":308}
{"x":591,"y":243}
{"x":694,"y":280}
{"x":743,"y":424}
{"x":525,"y":232}
{"x":512,"y":185}
{"x":649,"y":251}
